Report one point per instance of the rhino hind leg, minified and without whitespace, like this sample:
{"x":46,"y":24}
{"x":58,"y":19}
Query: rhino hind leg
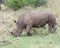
{"x":54,"y":28}
{"x":50,"y":29}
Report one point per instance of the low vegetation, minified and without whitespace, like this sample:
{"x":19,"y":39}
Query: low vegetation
{"x":16,"y":4}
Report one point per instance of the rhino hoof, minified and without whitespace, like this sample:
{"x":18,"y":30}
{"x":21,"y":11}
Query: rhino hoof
{"x":29,"y":34}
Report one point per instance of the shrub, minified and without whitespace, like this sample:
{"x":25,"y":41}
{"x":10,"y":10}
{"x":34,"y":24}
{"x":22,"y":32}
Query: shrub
{"x":16,"y":4}
{"x":40,"y":3}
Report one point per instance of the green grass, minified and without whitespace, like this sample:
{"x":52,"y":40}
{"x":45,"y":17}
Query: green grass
{"x":35,"y":41}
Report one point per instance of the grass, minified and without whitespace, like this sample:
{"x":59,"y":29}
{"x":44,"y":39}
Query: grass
{"x":35,"y":41}
{"x":39,"y":39}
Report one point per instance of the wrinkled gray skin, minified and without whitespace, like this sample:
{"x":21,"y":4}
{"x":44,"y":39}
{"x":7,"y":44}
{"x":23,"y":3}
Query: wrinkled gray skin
{"x":35,"y":19}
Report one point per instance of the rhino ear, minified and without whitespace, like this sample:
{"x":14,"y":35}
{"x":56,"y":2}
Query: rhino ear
{"x":14,"y":21}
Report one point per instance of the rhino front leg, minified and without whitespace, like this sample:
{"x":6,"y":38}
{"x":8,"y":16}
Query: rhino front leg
{"x":49,"y":29}
{"x":54,"y":28}
{"x":28,"y":30}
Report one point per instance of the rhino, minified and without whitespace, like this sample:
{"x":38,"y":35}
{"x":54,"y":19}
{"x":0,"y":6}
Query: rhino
{"x":36,"y":19}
